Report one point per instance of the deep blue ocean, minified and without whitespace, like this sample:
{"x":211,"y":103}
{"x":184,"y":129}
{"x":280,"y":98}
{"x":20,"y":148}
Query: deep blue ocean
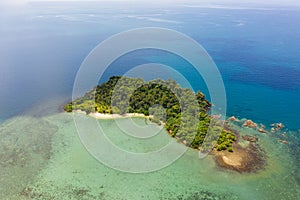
{"x":256,"y":50}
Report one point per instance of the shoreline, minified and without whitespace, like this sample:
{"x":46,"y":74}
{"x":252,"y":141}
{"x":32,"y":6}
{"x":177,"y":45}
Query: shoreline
{"x":97,"y":115}
{"x":249,"y":159}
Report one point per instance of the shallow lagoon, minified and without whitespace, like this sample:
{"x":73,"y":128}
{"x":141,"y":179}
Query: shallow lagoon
{"x":52,"y":163}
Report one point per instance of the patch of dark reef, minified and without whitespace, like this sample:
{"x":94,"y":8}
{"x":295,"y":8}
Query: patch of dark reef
{"x":243,"y":160}
{"x":207,"y":195}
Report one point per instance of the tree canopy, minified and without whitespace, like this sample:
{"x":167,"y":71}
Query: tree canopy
{"x":183,"y":112}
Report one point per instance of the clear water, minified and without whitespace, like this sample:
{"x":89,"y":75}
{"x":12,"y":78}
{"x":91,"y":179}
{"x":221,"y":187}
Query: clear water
{"x":68,"y":171}
{"x":41,"y":49}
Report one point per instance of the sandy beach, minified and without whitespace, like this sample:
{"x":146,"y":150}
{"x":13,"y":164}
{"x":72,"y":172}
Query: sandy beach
{"x":112,"y":116}
{"x":242,"y":159}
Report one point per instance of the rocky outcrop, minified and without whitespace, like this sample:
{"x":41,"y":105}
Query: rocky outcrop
{"x":249,"y":123}
{"x":233,"y":118}
{"x":277,"y":126}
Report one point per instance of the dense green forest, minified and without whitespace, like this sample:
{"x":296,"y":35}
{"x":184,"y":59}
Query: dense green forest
{"x":183,"y":112}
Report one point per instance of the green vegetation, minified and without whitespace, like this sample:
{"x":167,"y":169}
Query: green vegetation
{"x":183,"y":112}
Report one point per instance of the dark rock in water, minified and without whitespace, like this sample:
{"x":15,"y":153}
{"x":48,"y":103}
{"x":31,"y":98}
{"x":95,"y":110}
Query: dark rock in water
{"x":250,"y":138}
{"x":280,"y":126}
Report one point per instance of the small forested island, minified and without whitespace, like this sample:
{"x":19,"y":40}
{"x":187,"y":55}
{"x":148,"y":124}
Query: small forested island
{"x":183,"y":113}
{"x":143,"y":96}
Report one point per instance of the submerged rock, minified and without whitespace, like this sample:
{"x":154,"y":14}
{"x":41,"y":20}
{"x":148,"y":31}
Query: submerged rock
{"x":272,"y":130}
{"x":283,"y":141}
{"x":250,"y":138}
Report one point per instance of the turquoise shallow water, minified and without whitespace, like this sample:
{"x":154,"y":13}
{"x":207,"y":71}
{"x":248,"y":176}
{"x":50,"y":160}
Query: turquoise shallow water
{"x":52,"y":163}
